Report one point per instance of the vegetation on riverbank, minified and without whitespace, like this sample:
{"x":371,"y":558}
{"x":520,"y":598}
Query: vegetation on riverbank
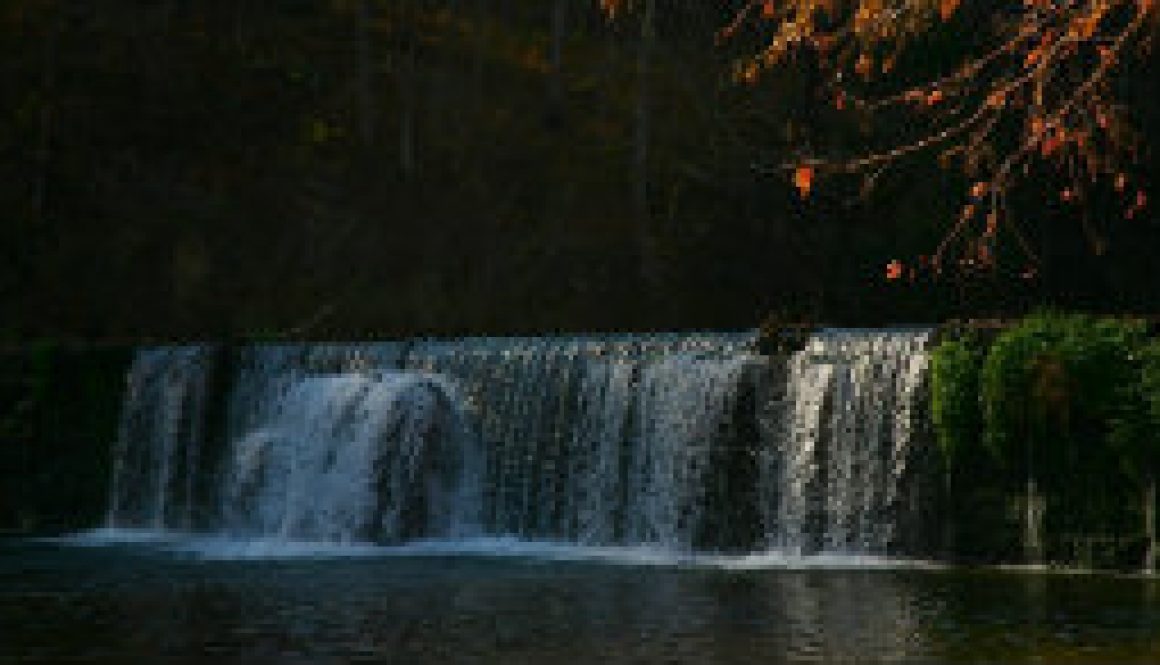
{"x":59,"y":409}
{"x":1060,"y":408}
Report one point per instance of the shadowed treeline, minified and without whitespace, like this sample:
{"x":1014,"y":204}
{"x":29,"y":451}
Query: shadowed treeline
{"x":448,"y":166}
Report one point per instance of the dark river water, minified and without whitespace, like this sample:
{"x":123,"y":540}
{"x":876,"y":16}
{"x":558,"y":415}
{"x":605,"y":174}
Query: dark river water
{"x":139,"y":603}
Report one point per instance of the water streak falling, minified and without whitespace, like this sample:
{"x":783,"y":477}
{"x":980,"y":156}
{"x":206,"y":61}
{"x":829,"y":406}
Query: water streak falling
{"x":347,"y":458}
{"x":844,"y":448}
{"x":160,"y":438}
{"x":681,"y":404}
{"x":679,"y":442}
{"x":265,"y":373}
{"x":596,"y":440}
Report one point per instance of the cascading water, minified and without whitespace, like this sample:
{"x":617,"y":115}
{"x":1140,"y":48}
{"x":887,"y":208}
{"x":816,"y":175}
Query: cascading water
{"x":594,"y":440}
{"x":160,"y":438}
{"x":628,"y":440}
{"x":832,"y":477}
{"x":681,"y":403}
{"x":349,"y":458}
{"x":265,"y":373}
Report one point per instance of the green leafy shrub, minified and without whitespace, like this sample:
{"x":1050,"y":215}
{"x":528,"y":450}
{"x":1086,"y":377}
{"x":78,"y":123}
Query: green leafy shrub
{"x":954,"y":377}
{"x":1150,"y":389}
{"x":1136,"y":429}
{"x":1052,"y":388}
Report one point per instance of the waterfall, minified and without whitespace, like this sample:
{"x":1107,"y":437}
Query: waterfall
{"x":596,"y":440}
{"x":348,"y":458}
{"x":160,"y":438}
{"x":265,"y":373}
{"x":681,"y":403}
{"x":680,"y":441}
{"x":833,"y":474}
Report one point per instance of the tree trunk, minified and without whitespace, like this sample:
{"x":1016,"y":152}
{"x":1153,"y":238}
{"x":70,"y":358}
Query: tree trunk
{"x":366,"y":126}
{"x":1033,"y":504}
{"x":479,"y":49}
{"x":949,"y":515}
{"x":1033,"y":524}
{"x":47,"y":124}
{"x":240,"y":24}
{"x":405,"y":74}
{"x":556,"y":57}
{"x":641,"y":142}
{"x":1151,"y":554}
{"x":166,"y":17}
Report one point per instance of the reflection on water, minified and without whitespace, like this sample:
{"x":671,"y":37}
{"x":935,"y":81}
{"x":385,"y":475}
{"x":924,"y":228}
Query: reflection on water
{"x":129,"y":604}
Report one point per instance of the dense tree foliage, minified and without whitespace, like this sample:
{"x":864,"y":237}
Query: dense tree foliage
{"x":1052,"y":386}
{"x":444,"y":166}
{"x":1016,"y":88}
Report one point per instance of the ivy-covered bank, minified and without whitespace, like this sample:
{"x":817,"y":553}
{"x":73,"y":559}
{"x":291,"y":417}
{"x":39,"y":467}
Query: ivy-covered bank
{"x":1048,"y":433}
{"x":59,"y":408}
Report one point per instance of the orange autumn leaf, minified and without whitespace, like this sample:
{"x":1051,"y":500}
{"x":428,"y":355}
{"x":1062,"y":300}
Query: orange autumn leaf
{"x":803,"y":179}
{"x":1087,"y":27}
{"x":1044,"y":99}
{"x":894,"y":270}
{"x":749,"y":73}
{"x":864,"y":66}
{"x":984,"y":253}
{"x":1049,"y":146}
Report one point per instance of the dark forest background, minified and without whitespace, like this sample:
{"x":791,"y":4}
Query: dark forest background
{"x":220,"y":168}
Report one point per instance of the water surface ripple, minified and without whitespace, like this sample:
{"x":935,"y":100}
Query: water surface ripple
{"x":122,"y":603}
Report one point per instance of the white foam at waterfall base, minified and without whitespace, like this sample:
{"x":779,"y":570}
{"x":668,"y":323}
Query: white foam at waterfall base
{"x":224,"y":548}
